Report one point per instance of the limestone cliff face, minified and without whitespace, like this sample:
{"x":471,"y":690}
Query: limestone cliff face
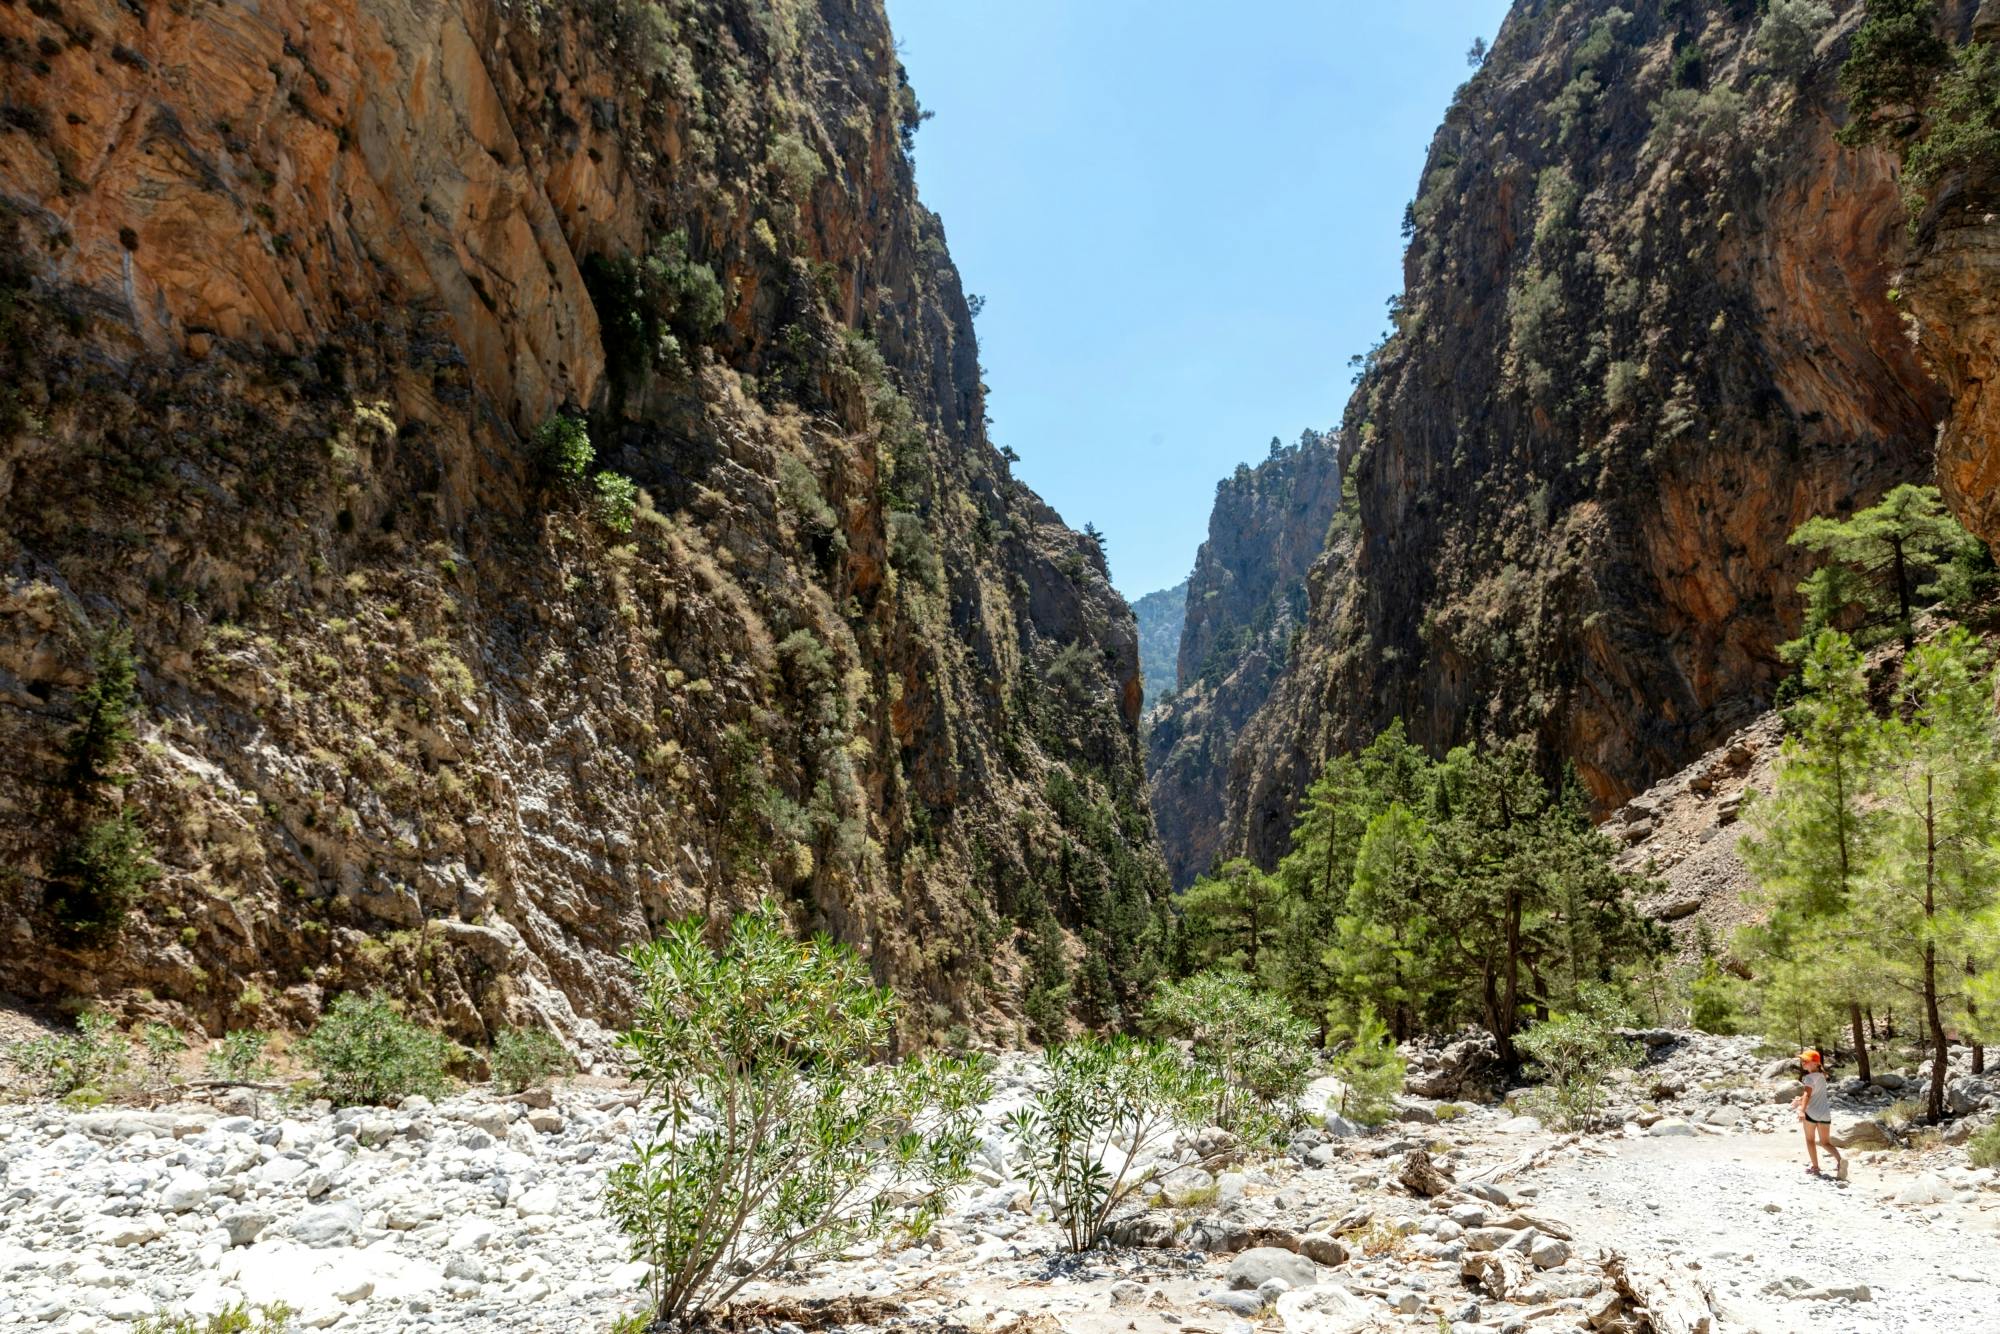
{"x":1951,"y":286}
{"x":1159,"y":617}
{"x":286,"y":294}
{"x":1646,"y":330}
{"x":1246,"y":600}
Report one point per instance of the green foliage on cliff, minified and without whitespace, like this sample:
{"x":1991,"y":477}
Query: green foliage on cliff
{"x":103,"y":713}
{"x":1963,"y":129}
{"x":563,"y":450}
{"x":98,"y":878}
{"x":1899,"y":554}
{"x":1891,"y":63}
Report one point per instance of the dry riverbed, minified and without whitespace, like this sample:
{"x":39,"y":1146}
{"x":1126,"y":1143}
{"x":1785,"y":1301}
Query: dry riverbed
{"x":482,"y":1213}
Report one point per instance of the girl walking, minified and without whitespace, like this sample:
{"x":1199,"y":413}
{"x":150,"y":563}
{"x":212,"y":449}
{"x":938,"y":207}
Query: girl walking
{"x":1815,"y":1107}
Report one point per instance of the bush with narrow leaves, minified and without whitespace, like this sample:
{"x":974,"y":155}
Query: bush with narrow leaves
{"x":1092,"y":1136}
{"x":240,"y":1059}
{"x":781,"y":1139}
{"x":1573,"y":1052}
{"x":1260,"y":1053}
{"x":85,"y":1065}
{"x":368,"y":1054}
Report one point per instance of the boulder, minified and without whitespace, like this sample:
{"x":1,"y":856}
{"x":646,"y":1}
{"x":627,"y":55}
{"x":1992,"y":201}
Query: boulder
{"x":183,"y":1191}
{"x":1468,"y":1066}
{"x":328,"y":1225}
{"x":1323,"y":1248}
{"x":1255,"y":1267}
{"x":245,"y":1225}
{"x":1325,"y":1308}
{"x":1861,"y":1133}
{"x":1151,"y":1229}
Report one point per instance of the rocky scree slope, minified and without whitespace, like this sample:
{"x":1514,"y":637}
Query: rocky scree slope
{"x":287,"y":292}
{"x":1246,"y":600}
{"x":1646,"y":329}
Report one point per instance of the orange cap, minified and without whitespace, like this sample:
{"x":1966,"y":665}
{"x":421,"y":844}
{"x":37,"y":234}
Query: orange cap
{"x":1809,"y":1055}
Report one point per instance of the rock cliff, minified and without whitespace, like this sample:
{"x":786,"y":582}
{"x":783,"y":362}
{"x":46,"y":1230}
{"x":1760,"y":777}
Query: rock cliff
{"x":306,"y":310}
{"x":1647,"y":328}
{"x":1246,"y":600}
{"x":1159,"y":617}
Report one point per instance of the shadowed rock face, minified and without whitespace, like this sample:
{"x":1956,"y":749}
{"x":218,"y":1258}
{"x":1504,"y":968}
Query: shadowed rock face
{"x":1644,"y":334}
{"x":285,"y":291}
{"x":1245,"y":600}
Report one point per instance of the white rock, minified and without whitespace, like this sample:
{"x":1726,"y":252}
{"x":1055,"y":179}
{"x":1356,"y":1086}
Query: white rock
{"x":328,"y":1225}
{"x":183,"y":1191}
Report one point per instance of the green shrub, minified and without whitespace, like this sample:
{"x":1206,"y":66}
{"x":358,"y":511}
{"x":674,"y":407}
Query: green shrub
{"x":103,"y":712}
{"x":1713,"y":1004}
{"x":563,"y":450}
{"x":99,"y":878}
{"x":1790,"y":30}
{"x":368,"y":1054}
{"x":1259,"y":1052}
{"x":615,"y":501}
{"x":1573,"y":1053}
{"x":1100,"y":1092}
{"x":1892,"y":60}
{"x":1984,"y":1146}
{"x":240,"y":1059}
{"x":91,"y":1060}
{"x":525,"y":1057}
{"x":1370,"y":1071}
{"x":160,"y":1047}
{"x":238,"y":1319}
{"x":1963,"y":129}
{"x":780,"y":1139}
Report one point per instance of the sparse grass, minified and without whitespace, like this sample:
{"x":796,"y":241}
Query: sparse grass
{"x":1984,"y":1147}
{"x":1451,"y":1111}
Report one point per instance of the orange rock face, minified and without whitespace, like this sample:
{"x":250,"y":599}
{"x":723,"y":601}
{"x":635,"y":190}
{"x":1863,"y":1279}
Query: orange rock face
{"x":1635,"y":350}
{"x":268,"y":173}
{"x":286,"y":291}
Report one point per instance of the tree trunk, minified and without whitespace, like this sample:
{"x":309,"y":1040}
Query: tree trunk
{"x":1860,"y":1039}
{"x":1972,"y":1025}
{"x":1907,"y":627}
{"x":1934,"y":1103}
{"x":1932,"y":1016}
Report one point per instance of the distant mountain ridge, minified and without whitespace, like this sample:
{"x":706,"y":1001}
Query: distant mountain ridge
{"x":1246,"y":600}
{"x":1160,"y":616}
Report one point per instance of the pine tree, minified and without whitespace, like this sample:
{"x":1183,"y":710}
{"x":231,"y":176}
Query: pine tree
{"x":1810,"y":839}
{"x":1385,"y":946}
{"x":1901,"y":553}
{"x":1232,"y":918}
{"x":103,"y":713}
{"x":1923,"y":902}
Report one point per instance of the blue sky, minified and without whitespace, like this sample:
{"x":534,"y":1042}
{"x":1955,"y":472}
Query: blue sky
{"x":1184,"y":219}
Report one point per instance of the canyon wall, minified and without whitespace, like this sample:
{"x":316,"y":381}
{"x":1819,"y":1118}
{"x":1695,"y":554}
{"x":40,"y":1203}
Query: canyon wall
{"x":305,"y":308}
{"x":1246,"y":602}
{"x":1647,"y":328}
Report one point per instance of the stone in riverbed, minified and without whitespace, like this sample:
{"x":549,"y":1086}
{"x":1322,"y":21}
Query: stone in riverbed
{"x":328,"y":1225}
{"x":1257,"y":1266}
{"x":245,"y":1225}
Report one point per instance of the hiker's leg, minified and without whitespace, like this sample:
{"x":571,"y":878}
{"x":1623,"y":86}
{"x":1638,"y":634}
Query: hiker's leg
{"x":1812,"y":1145}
